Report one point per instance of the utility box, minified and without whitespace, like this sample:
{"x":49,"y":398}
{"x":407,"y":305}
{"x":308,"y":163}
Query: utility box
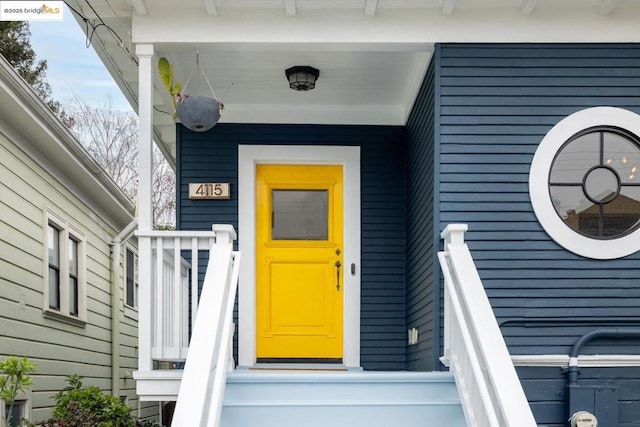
{"x":601,"y":401}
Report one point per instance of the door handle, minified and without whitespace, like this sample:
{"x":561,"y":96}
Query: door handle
{"x":338,"y":264}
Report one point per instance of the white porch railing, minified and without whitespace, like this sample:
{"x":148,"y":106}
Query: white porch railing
{"x":170,"y":311}
{"x":169,"y":288}
{"x":210,"y":356}
{"x":474,"y":349}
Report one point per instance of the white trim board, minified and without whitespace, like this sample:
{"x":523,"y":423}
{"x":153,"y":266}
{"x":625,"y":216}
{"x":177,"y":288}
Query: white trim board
{"x":585,"y":361}
{"x":245,"y":27}
{"x":248,"y":157}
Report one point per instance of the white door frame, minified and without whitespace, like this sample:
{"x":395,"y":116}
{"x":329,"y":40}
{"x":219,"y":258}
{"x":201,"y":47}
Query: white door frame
{"x":248,"y":157}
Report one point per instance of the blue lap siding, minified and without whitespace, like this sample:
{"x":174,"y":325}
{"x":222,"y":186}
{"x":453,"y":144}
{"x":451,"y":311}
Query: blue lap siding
{"x":212,"y":157}
{"x":497,"y":103}
{"x":464,"y":157}
{"x":423,"y":311}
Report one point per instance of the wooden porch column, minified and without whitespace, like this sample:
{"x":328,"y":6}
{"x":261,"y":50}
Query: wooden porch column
{"x":145,"y":209}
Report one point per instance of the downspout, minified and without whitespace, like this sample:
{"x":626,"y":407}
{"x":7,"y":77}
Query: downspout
{"x":116,"y":253}
{"x":572,"y":372}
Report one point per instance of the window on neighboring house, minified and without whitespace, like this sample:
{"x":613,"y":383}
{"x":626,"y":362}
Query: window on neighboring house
{"x":65,"y":296}
{"x":16,"y":413}
{"x":53,"y":242}
{"x":74,"y":290}
{"x":131,"y":293}
{"x":20,"y":410}
{"x":585,"y":183}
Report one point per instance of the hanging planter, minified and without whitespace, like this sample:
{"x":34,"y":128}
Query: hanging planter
{"x":199,"y":113}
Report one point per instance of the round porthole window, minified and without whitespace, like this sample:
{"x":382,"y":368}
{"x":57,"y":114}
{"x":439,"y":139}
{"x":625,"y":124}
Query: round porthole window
{"x":594,"y":183}
{"x":585,"y":183}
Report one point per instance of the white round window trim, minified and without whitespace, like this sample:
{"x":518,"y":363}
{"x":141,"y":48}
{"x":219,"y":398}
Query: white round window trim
{"x":539,"y":183}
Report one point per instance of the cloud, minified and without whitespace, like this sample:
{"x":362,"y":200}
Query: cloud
{"x":73,"y":69}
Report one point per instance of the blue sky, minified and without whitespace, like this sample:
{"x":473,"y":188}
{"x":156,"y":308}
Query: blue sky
{"x":72,"y":67}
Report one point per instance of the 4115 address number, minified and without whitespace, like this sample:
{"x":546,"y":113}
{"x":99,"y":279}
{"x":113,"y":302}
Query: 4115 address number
{"x":209,"y":190}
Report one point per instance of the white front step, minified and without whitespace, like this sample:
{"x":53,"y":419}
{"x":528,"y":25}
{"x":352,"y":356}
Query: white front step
{"x":331,"y":399}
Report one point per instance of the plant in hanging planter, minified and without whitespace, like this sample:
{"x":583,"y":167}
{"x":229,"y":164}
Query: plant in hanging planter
{"x":197,"y":113}
{"x":165,"y":69}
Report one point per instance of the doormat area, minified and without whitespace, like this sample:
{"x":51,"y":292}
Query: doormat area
{"x":298,"y":367}
{"x":300,"y":360}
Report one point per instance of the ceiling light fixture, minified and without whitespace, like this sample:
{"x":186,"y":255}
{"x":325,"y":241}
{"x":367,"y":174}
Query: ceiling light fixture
{"x":302,"y":78}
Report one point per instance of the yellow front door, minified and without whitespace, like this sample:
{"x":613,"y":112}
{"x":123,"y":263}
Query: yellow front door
{"x":299,"y":272}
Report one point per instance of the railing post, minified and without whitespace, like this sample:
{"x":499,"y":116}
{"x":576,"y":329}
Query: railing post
{"x":225,"y":233}
{"x":453,"y":234}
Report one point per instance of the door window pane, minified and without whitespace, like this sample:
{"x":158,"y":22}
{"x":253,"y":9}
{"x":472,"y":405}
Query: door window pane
{"x":300,"y":215}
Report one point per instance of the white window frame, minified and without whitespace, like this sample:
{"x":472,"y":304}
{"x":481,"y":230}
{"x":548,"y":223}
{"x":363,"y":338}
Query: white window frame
{"x":131,"y":311}
{"x":539,"y":183}
{"x":67,"y":231}
{"x":21,"y":397}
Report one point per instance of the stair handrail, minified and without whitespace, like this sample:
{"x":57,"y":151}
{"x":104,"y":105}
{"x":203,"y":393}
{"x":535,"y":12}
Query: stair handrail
{"x":474,"y":348}
{"x":210,"y":354}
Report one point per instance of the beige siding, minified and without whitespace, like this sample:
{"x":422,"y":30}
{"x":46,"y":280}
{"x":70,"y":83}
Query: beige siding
{"x":27,"y":189}
{"x":129,"y":351}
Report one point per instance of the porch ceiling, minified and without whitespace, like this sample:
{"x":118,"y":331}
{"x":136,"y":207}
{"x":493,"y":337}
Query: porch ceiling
{"x":371,"y":54}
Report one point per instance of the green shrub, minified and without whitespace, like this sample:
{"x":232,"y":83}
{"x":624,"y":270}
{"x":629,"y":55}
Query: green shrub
{"x":79,"y":406}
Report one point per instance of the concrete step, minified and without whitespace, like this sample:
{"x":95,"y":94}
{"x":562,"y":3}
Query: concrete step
{"x":335,"y":399}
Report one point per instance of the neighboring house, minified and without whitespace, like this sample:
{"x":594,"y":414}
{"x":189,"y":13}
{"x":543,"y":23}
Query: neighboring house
{"x":68,"y":260}
{"x":519,"y":119}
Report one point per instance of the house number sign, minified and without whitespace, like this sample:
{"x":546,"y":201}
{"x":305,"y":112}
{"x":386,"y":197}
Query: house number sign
{"x":209,"y":190}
